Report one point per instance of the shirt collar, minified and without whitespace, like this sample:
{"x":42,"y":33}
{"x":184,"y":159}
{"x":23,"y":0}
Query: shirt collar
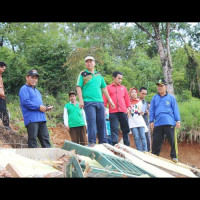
{"x":90,"y":72}
{"x":164,"y":95}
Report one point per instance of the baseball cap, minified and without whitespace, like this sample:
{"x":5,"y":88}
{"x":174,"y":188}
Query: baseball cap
{"x":33,"y":72}
{"x":89,"y":58}
{"x":72,"y":92}
{"x":161,"y":82}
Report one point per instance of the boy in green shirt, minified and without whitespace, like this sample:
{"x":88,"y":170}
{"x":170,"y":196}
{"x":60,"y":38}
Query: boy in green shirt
{"x":74,"y":120}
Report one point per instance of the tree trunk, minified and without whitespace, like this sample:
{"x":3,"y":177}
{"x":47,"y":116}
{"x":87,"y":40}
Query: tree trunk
{"x":165,"y":56}
{"x":164,"y":52}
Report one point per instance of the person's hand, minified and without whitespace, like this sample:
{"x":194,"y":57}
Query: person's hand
{"x":151,"y":126}
{"x":178,"y":125}
{"x":68,"y":128}
{"x":81,"y":104}
{"x":43,"y":108}
{"x":3,"y":96}
{"x":112,"y":103}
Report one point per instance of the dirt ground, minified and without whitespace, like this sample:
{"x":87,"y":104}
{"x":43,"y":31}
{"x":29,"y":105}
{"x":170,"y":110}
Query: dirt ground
{"x":189,"y":153}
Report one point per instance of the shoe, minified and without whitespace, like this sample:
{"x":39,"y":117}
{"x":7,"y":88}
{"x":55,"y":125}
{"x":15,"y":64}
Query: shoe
{"x":175,"y":160}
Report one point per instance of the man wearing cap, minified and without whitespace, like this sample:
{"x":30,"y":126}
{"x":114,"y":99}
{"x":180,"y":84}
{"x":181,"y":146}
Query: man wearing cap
{"x":164,"y":117}
{"x":33,"y":111}
{"x":3,"y":109}
{"x":74,"y":120}
{"x":90,"y":86}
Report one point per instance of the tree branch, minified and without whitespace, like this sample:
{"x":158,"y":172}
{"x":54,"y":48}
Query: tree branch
{"x":144,"y":29}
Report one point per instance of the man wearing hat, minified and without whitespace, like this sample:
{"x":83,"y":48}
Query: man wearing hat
{"x":164,"y":118}
{"x":90,"y":87}
{"x":33,"y":111}
{"x":74,"y":120}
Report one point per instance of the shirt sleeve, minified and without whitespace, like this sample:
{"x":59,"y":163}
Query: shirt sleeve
{"x":152,"y":110}
{"x":127,"y":99}
{"x":103,"y":83}
{"x":84,"y":117}
{"x":65,"y":117}
{"x":176,"y":110}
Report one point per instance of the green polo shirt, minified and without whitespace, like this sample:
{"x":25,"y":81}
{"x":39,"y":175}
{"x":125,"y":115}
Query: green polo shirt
{"x":91,"y":85}
{"x":75,"y":115}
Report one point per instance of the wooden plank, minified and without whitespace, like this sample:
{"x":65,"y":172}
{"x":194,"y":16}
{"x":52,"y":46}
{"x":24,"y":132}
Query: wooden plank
{"x":26,"y":166}
{"x":154,"y":171}
{"x":14,"y":172}
{"x":155,"y":160}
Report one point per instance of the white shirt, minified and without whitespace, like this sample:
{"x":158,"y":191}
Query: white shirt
{"x":136,"y":119}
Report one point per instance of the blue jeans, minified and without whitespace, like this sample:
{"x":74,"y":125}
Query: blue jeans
{"x":115,"y":119}
{"x":96,"y":122}
{"x":139,"y":138}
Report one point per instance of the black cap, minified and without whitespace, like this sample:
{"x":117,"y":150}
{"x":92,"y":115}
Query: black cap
{"x":72,"y":92}
{"x":33,"y":72}
{"x":161,"y":82}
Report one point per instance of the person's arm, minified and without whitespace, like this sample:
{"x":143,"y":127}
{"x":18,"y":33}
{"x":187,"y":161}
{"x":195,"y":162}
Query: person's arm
{"x":80,"y":96}
{"x":79,"y":85}
{"x":105,"y":92}
{"x":176,"y":112}
{"x":152,"y":114}
{"x":65,"y":118}
{"x":84,"y":118}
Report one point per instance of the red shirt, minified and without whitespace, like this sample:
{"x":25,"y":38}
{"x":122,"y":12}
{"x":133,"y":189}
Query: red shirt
{"x":120,"y":97}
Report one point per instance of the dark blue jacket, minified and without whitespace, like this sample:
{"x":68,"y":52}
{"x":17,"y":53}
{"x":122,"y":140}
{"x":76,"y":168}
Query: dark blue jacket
{"x":164,"y":110}
{"x":30,"y":101}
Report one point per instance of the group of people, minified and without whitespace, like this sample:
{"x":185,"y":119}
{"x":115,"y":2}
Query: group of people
{"x":134,"y":114}
{"x":100,"y":111}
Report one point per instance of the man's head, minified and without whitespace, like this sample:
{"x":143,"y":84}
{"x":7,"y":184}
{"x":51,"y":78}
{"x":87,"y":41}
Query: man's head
{"x":162,"y":86}
{"x":142,"y":93}
{"x":89,"y":63}
{"x":32,"y":77}
{"x":117,"y":77}
{"x":2,"y":67}
{"x":72,"y":96}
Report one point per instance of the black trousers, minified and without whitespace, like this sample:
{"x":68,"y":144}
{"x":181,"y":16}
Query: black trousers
{"x":115,"y":120}
{"x":3,"y":112}
{"x":38,"y":129}
{"x":158,"y":137}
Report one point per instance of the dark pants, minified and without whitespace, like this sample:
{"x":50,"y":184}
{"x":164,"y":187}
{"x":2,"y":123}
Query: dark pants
{"x":38,"y":129}
{"x":96,"y":122}
{"x":78,"y":135}
{"x":158,"y":138}
{"x":3,"y":112}
{"x":115,"y":119}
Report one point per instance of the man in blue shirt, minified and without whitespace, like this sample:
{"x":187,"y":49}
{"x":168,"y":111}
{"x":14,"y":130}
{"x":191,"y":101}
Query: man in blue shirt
{"x":164,"y":117}
{"x":33,"y":112}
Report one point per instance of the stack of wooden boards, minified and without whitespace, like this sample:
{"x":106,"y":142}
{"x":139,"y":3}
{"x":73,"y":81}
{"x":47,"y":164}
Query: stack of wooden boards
{"x":44,"y":162}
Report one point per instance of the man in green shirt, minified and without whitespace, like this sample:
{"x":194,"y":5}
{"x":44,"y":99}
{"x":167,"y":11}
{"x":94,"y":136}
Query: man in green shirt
{"x":74,"y":120}
{"x":90,"y":86}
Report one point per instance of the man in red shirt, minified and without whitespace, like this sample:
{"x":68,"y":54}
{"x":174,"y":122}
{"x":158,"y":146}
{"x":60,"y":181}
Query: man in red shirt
{"x":119,"y":95}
